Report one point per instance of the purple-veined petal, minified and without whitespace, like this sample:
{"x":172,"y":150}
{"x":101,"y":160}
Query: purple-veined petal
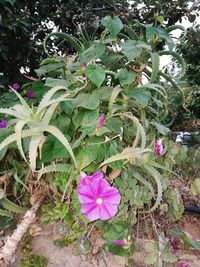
{"x":112,"y":196}
{"x":107,"y":211}
{"x":85,"y":195}
{"x":91,"y":211}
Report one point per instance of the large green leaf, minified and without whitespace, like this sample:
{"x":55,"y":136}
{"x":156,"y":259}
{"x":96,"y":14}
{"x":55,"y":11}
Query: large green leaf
{"x":141,"y":95}
{"x":92,"y":52}
{"x":96,"y":74}
{"x":126,"y":76}
{"x":87,"y":101}
{"x":85,"y":156}
{"x":161,"y":128}
{"x":131,"y":49}
{"x":114,"y":25}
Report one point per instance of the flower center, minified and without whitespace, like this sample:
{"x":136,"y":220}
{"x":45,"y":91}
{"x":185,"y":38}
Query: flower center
{"x":99,"y":200}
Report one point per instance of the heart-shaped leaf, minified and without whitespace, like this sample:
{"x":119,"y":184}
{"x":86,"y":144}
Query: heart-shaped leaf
{"x":96,"y":74}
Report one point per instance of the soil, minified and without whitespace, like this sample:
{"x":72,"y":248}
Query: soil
{"x":42,"y":244}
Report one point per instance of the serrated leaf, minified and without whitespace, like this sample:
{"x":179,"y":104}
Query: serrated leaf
{"x":114,"y":25}
{"x":151,"y":258}
{"x":96,"y":74}
{"x":169,"y":257}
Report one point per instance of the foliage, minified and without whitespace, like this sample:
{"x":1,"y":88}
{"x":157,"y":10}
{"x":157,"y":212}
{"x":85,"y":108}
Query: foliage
{"x":101,"y":76}
{"x":159,"y":252}
{"x":23,"y":32}
{"x":29,"y":258}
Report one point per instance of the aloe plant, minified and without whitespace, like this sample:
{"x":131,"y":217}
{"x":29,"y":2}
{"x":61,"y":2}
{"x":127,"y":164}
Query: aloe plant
{"x":33,"y":122}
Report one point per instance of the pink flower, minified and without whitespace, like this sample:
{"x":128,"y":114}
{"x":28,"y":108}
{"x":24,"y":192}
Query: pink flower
{"x":159,"y":147}
{"x":3,"y":124}
{"x":98,"y":199}
{"x":101,"y":121}
{"x":15,"y":86}
{"x":174,"y":247}
{"x":83,"y":65}
{"x":31,"y":94}
{"x":86,"y":179}
{"x":30,"y":78}
{"x":119,"y":242}
{"x":182,"y":264}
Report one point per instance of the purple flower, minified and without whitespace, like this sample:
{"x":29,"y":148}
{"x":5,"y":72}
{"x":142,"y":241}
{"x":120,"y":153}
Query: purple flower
{"x":86,"y":179}
{"x":98,"y":199}
{"x":31,"y":94}
{"x":15,"y":86}
{"x":83,"y":65}
{"x":174,"y":246}
{"x":159,"y":147}
{"x":182,"y":264}
{"x":3,"y":124}
{"x":119,"y":242}
{"x":101,"y":121}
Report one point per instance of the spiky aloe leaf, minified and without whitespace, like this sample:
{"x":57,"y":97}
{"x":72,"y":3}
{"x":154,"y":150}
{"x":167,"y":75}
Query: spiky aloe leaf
{"x":72,"y":40}
{"x":133,"y":155}
{"x":59,"y":167}
{"x":115,"y":92}
{"x":26,"y":107}
{"x":155,"y":66}
{"x":12,"y":138}
{"x":157,"y":178}
{"x":178,"y":58}
{"x":33,"y":150}
{"x":18,"y":131}
{"x":140,"y":129}
{"x":60,"y":136}
{"x":9,"y":205}
{"x":45,"y":102}
{"x":139,"y":177}
{"x":11,"y":112}
{"x":48,"y":114}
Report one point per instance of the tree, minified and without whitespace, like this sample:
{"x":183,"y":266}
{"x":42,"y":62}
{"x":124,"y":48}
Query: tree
{"x":24,"y":25}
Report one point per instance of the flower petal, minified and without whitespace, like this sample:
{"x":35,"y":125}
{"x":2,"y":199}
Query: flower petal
{"x":85,"y":195}
{"x":112,"y":196}
{"x":107,"y":211}
{"x":99,"y":187}
{"x":91,"y":211}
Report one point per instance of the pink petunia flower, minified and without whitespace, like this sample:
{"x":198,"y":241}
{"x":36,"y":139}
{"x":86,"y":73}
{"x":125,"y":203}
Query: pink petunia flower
{"x":101,"y":121}
{"x":15,"y":86}
{"x":88,"y":179}
{"x":159,"y":147}
{"x":31,"y":94}
{"x":174,"y":246}
{"x":99,"y":200}
{"x":119,"y":242}
{"x":3,"y":124}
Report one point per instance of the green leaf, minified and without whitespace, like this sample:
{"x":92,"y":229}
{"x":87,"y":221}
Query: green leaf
{"x":85,"y":156}
{"x":51,"y":82}
{"x":188,"y":241}
{"x":126,"y":76}
{"x":151,"y":258}
{"x":131,"y":50}
{"x":141,"y":95}
{"x":195,"y":186}
{"x":151,"y":247}
{"x":103,"y":93}
{"x":87,"y":101}
{"x":169,"y":257}
{"x":114,"y":25}
{"x":96,"y":74}
{"x":161,"y":128}
{"x":92,"y":52}
{"x":160,"y":19}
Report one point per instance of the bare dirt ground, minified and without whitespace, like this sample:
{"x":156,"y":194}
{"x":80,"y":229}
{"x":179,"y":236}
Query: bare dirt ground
{"x":64,"y":257}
